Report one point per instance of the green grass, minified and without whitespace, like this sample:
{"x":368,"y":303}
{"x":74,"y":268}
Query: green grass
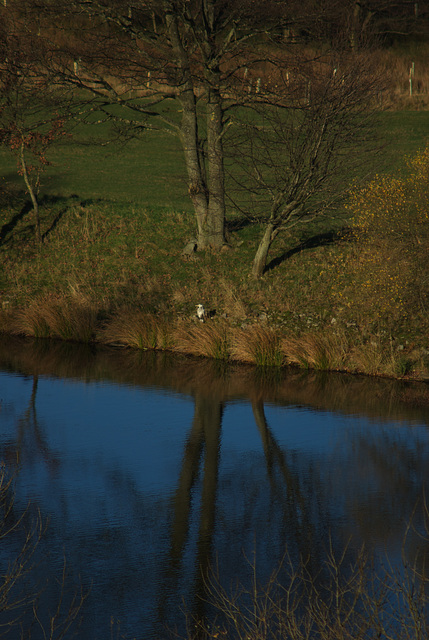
{"x":405,"y":132}
{"x":150,"y":171}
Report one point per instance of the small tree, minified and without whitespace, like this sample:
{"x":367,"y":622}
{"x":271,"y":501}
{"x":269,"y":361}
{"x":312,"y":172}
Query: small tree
{"x":30,"y":146}
{"x":295,"y":149}
{"x":29,"y":120}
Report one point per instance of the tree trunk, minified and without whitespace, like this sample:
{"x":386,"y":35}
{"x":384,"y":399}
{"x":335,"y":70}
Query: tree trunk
{"x":358,"y":25}
{"x":189,"y":127}
{"x":32,"y":194}
{"x":260,"y":259}
{"x":208,"y":200}
{"x":216,"y":210}
{"x":190,"y":143}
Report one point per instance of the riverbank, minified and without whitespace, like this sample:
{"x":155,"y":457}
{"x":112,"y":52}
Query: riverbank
{"x":252,"y":341}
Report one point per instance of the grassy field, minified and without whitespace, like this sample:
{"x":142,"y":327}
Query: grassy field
{"x":150,"y":171}
{"x":115,"y":219}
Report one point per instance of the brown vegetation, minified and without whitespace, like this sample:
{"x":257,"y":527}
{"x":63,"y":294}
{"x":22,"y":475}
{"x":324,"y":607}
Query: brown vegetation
{"x":256,"y":344}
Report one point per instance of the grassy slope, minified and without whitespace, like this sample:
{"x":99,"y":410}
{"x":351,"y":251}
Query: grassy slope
{"x":118,"y":217}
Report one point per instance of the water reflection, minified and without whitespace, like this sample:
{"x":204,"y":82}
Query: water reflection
{"x":150,"y":468}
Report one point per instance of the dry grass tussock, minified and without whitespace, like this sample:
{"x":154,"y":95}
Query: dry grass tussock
{"x":136,"y":329}
{"x":258,"y":345}
{"x":66,"y":318}
{"x":328,"y":350}
{"x":380,"y":357}
{"x":212,"y":340}
{"x":76,"y":318}
{"x":374,"y":355}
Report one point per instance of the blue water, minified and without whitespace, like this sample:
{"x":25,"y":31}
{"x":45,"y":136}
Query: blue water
{"x":135,"y":516}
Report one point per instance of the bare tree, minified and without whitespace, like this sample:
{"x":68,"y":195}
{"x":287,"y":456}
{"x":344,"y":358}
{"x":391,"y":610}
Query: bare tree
{"x":296,"y":147}
{"x":384,"y":19}
{"x":141,"y":55}
{"x":188,"y":67}
{"x":353,"y":594}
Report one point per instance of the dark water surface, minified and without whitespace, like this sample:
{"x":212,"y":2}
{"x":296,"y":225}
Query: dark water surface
{"x":148,"y":468}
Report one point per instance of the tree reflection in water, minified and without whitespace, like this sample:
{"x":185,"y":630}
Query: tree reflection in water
{"x":203,"y":441}
{"x":274,"y":496}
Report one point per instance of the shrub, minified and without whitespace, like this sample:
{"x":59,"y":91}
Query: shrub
{"x":382,"y":274}
{"x":21,"y":613}
{"x":350,"y":596}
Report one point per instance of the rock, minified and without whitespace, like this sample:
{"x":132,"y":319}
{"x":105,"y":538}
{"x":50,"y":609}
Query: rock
{"x":190,"y":248}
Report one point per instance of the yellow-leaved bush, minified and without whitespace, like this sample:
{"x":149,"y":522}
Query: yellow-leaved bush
{"x":382,"y":271}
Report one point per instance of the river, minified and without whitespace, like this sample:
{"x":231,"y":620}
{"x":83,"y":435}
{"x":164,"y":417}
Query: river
{"x":150,"y":470}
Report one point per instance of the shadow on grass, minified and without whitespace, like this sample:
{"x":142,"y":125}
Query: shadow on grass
{"x":238,"y":223}
{"x":8,"y":227}
{"x":54,"y":223}
{"x":45,"y":202}
{"x":318,"y":240}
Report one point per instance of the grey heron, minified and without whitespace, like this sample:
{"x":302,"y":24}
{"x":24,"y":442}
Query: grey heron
{"x":201,"y":312}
